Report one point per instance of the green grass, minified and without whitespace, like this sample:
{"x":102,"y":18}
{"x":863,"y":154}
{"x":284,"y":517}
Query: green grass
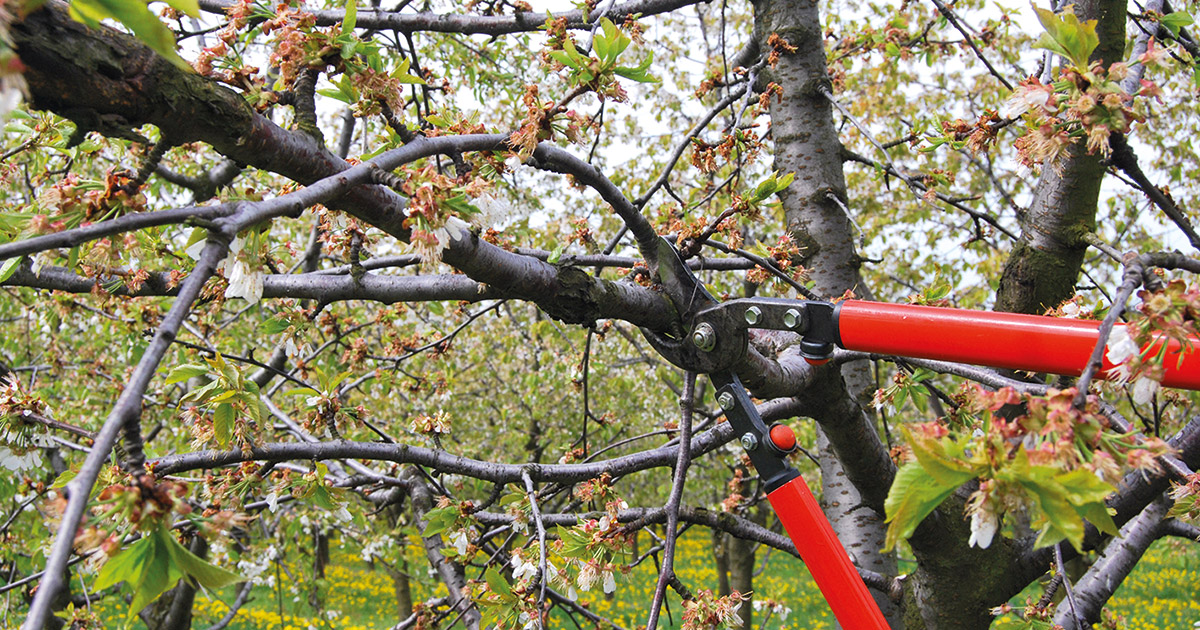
{"x":1161,"y":594}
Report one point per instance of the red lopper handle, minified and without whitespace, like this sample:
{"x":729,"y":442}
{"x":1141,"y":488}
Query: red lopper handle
{"x":825,"y":557}
{"x":1004,"y":340}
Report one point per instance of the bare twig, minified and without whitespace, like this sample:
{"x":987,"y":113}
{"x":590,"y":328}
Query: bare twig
{"x":686,"y":400}
{"x":531,"y":492}
{"x":953,"y":19}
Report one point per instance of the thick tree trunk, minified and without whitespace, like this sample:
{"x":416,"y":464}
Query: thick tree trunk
{"x":402,"y":586}
{"x":741,"y":574}
{"x":401,"y":582}
{"x":1044,"y":265}
{"x":320,"y":561}
{"x":806,"y":144}
{"x":721,"y":558}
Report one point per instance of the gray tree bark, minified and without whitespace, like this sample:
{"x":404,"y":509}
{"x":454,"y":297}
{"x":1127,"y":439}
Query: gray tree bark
{"x":1044,"y":265}
{"x":1113,"y":566}
{"x":806,"y":144}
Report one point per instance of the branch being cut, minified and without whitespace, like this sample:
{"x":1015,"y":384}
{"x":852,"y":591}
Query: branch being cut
{"x":120,"y":83}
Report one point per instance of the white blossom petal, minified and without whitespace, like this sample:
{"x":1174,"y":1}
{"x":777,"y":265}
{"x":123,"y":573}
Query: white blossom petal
{"x":1121,"y":346}
{"x":983,"y":528}
{"x":1144,"y":390}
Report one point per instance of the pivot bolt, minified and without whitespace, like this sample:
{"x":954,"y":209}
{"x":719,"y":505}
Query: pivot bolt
{"x":749,"y":441}
{"x":791,"y":318}
{"x":725,"y":400}
{"x":753,"y":314}
{"x":705,"y":337}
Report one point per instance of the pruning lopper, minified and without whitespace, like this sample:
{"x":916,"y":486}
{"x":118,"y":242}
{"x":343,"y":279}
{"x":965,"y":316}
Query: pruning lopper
{"x":714,"y":336}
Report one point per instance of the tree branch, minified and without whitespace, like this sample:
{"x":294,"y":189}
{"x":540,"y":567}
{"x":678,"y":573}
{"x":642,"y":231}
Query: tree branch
{"x":521,"y":22}
{"x":127,"y":409}
{"x":1113,"y":566}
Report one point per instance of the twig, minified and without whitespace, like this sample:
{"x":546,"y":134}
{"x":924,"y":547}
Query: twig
{"x":1094,"y":240}
{"x":238,"y":602}
{"x":953,"y":19}
{"x":914,"y":183}
{"x":1124,"y":158}
{"x":541,"y":533}
{"x":1058,"y":561}
{"x":1134,"y":272}
{"x":769,"y":265}
{"x":686,"y":400}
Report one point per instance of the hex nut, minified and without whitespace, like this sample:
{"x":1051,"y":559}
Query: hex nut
{"x":792,"y":318}
{"x":705,"y":337}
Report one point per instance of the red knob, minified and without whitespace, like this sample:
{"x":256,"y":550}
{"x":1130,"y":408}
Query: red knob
{"x":783,"y":437}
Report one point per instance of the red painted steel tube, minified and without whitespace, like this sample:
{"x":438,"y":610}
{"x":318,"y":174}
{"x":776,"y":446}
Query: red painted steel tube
{"x":1002,"y":340}
{"x":825,"y":557}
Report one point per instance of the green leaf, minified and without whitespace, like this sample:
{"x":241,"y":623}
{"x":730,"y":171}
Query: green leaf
{"x":322,"y":499}
{"x":62,"y":480}
{"x":1175,"y":21}
{"x":224,"y":396}
{"x":302,"y":391}
{"x":190,"y":7}
{"x":913,"y":496}
{"x":145,"y":567}
{"x":197,"y":235}
{"x":207,"y":575}
{"x":126,"y":566}
{"x":9,"y":268}
{"x":1067,"y":36}
{"x":496,"y":582}
{"x":275,"y":325}
{"x":184,"y":372}
{"x":337,"y":95}
{"x":402,"y":75}
{"x":1087,"y":492}
{"x":601,"y":42}
{"x":158,"y":575}
{"x":1061,"y":520}
{"x":351,"y":18}
{"x":564,"y":59}
{"x":782,"y":183}
{"x":439,"y":520}
{"x":223,"y":423}
{"x":765,"y":188}
{"x":639,"y":73}
{"x":201,"y":394}
{"x":1046,"y":42}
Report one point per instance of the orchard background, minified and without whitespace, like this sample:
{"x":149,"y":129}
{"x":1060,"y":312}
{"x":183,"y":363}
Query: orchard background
{"x":287,"y":284}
